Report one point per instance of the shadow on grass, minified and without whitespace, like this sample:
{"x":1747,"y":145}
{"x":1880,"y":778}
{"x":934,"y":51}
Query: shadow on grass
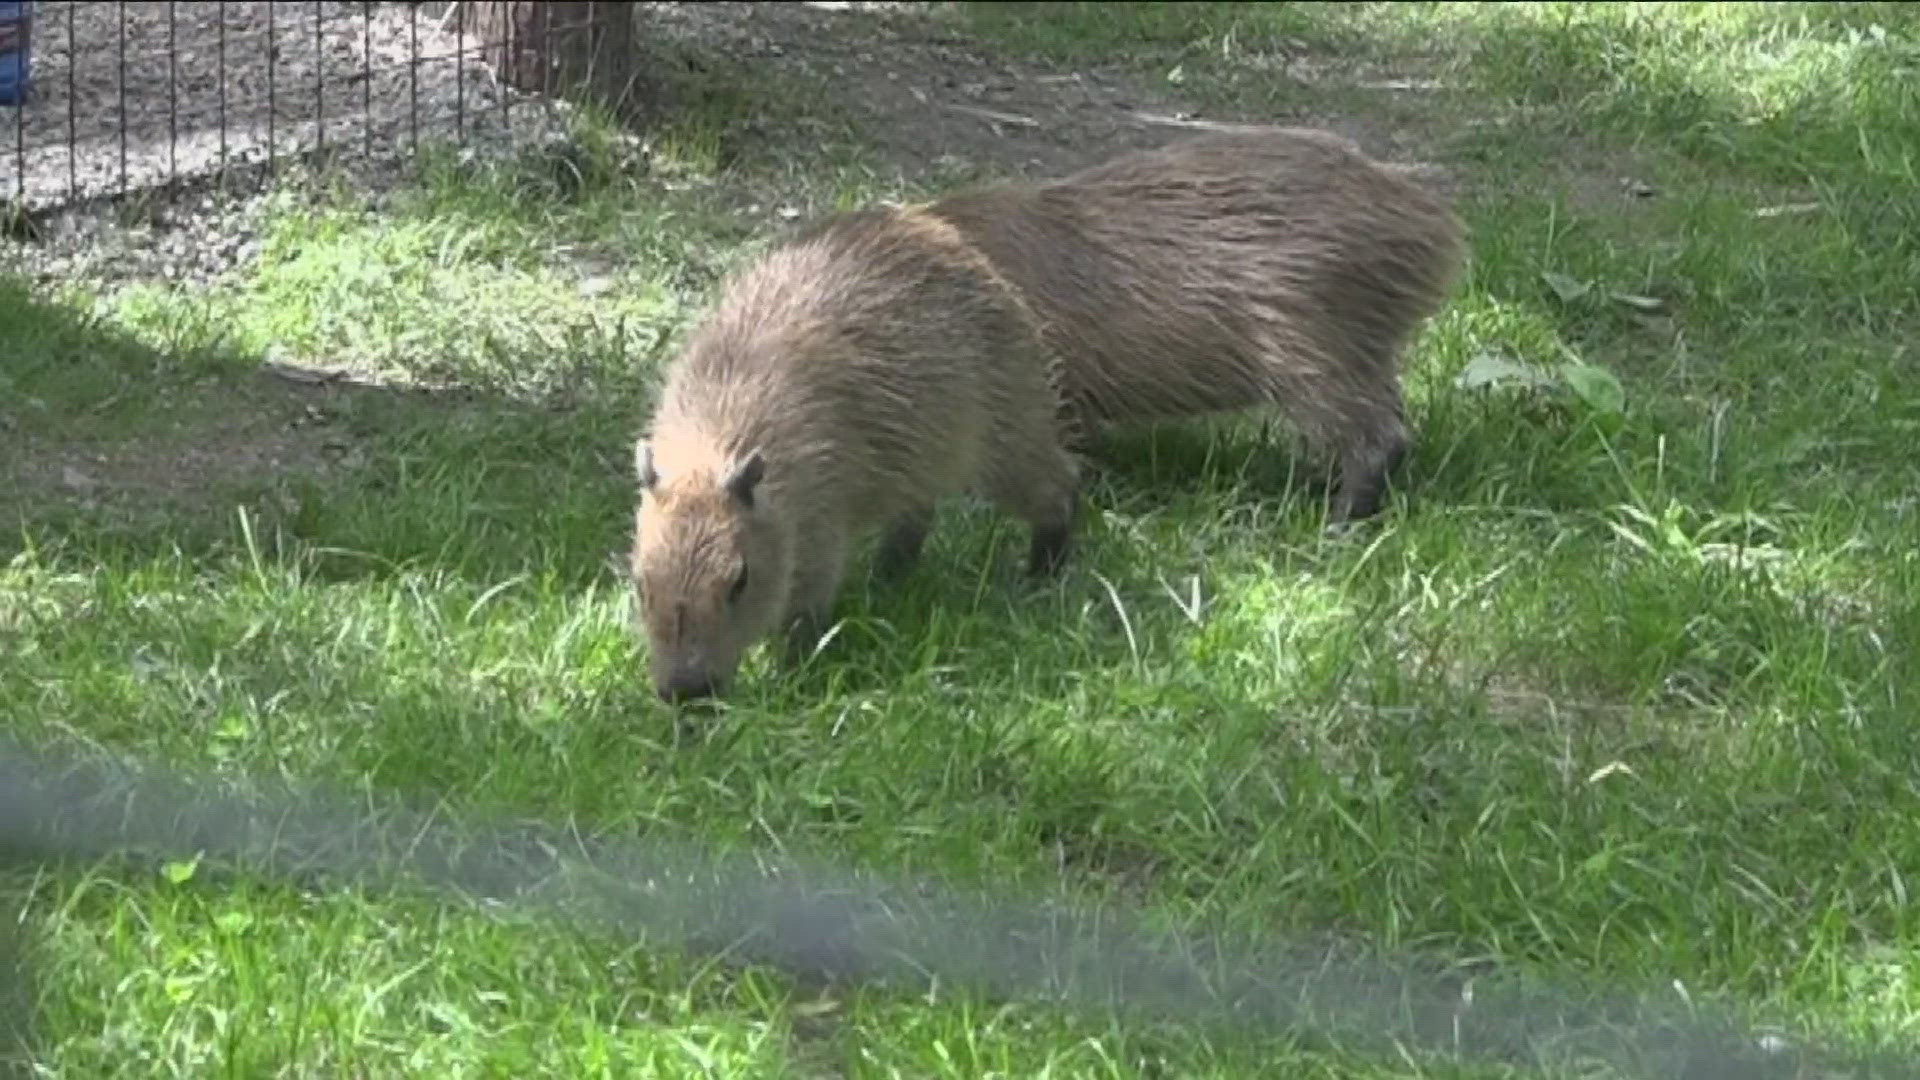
{"x":471,"y":486}
{"x":492,"y":491}
{"x":118,"y":451}
{"x":480,"y":492}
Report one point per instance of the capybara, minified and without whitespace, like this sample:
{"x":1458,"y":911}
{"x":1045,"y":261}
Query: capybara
{"x":1276,"y":266}
{"x":865,"y":368}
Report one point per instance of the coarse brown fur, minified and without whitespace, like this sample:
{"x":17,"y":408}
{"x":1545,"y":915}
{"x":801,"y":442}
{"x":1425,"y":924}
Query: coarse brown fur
{"x":1230,"y":270}
{"x":843,"y":384}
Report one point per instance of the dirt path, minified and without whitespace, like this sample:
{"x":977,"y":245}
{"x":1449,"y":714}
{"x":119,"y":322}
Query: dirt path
{"x":918,"y":90}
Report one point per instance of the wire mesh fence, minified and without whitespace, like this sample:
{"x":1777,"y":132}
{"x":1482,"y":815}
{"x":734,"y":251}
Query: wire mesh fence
{"x":119,"y":97}
{"x":827,"y":923}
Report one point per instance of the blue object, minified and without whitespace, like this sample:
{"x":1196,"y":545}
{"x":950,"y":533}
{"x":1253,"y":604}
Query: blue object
{"x":16,"y":51}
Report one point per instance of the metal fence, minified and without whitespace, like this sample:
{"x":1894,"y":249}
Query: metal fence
{"x":129,"y":97}
{"x":821,"y":922}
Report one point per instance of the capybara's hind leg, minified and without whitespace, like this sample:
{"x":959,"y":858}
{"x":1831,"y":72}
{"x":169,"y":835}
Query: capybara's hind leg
{"x":900,"y":548}
{"x":1032,"y":474}
{"x":1371,"y":450}
{"x":1049,"y":544}
{"x":1043,"y":490}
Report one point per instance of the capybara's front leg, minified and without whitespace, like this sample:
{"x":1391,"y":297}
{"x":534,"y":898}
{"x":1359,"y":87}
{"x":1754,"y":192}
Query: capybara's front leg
{"x":900,"y":548}
{"x":819,"y":564}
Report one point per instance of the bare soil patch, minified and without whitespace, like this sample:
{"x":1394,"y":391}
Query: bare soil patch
{"x":209,"y":444}
{"x":919,"y":92}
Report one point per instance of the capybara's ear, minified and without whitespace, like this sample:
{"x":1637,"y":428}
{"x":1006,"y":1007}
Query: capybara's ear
{"x":643,"y":464}
{"x":745,"y":476}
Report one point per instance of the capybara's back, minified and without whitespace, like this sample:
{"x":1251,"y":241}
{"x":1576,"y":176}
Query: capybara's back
{"x":1231,"y":270}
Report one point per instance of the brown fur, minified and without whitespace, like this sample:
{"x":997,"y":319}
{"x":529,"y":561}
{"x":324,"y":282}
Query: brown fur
{"x":842,"y":385}
{"x":1227,"y":271}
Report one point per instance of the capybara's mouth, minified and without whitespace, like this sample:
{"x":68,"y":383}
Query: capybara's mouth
{"x":688,"y":688}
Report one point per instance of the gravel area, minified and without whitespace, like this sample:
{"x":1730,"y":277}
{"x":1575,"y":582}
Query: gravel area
{"x":129,"y":97}
{"x":143,"y":97}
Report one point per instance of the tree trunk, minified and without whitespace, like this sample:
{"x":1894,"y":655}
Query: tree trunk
{"x":546,"y":46}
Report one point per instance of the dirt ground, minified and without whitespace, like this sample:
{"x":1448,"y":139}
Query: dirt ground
{"x":919,"y":91}
{"x":252,"y":439}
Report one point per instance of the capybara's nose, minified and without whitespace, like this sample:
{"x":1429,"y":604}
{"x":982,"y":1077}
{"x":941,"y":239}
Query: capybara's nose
{"x":686,"y":685}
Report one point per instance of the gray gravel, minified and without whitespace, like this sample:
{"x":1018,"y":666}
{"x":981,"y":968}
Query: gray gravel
{"x":135,"y":98}
{"x":128,"y":96}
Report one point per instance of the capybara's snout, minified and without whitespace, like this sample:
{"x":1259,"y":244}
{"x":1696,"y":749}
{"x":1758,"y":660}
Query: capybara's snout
{"x":686,"y":683}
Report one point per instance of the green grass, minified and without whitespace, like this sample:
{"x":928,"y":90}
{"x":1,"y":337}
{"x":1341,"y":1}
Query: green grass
{"x":1617,"y":695}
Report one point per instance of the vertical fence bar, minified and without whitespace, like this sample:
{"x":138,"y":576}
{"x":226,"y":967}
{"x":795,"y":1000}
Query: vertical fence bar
{"x":73,"y":131}
{"x":122,"y":43}
{"x":319,"y":81}
{"x":502,"y":68}
{"x":366,"y":79}
{"x":413,"y":78}
{"x":592,"y":87}
{"x":20,"y":151}
{"x":25,"y":45}
{"x":460,"y":73}
{"x":173,"y":98}
{"x":273,"y":146}
{"x":545,"y":48}
{"x":220,"y":93}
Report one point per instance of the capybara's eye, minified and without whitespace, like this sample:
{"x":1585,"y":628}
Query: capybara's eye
{"x":738,"y":588}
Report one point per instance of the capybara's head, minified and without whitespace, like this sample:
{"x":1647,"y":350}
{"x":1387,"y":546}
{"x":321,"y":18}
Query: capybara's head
{"x":709,"y":564}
